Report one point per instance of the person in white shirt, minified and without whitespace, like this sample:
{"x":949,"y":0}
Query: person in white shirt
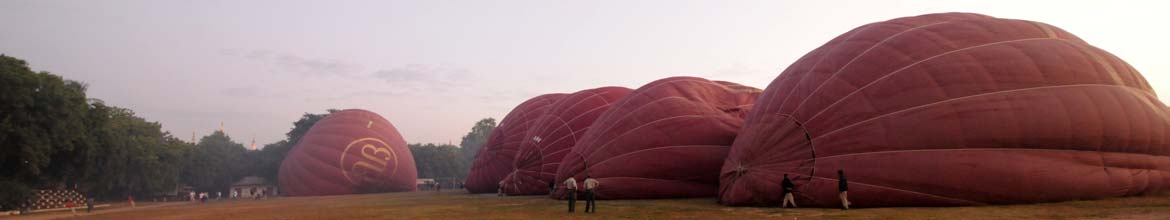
{"x":500,"y":188}
{"x":571,"y":190}
{"x":591,"y":194}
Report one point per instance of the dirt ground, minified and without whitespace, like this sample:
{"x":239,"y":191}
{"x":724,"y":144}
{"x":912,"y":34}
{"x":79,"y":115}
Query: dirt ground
{"x":460,"y":205}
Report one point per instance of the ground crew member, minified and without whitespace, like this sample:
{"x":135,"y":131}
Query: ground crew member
{"x":500,"y":188}
{"x":552,"y":187}
{"x":843,"y":186}
{"x":787,"y":189}
{"x":571,"y":190}
{"x":72,"y":208}
{"x":591,"y":194}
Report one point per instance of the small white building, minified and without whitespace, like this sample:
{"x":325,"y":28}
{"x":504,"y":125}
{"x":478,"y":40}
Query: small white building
{"x":253,"y":186}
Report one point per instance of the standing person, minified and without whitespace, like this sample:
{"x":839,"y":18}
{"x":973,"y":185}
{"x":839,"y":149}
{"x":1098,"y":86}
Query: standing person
{"x":218,"y":195}
{"x":89,"y":205}
{"x":191,"y":196}
{"x":552,"y":187}
{"x":787,"y":189}
{"x":591,"y":194}
{"x":500,"y":189}
{"x":571,"y":190}
{"x":72,"y":208}
{"x":131,"y":199}
{"x":843,"y":186}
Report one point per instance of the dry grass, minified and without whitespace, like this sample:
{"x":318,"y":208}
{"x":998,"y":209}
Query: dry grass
{"x":458,"y":205}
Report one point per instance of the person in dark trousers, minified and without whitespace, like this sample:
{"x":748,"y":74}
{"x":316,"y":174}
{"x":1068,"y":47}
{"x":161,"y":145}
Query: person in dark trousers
{"x":843,"y":186}
{"x":787,"y":189}
{"x":552,"y":187}
{"x":591,"y":194}
{"x":89,"y":205}
{"x":571,"y":190}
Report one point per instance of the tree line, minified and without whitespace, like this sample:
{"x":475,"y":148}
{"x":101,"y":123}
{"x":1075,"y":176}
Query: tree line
{"x":52,"y":136}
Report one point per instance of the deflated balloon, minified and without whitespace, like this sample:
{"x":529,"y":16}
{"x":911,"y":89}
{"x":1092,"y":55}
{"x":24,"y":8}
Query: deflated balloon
{"x":495,"y":159}
{"x":348,"y":152}
{"x":952,"y":109}
{"x":666,"y":139}
{"x":553,"y":135}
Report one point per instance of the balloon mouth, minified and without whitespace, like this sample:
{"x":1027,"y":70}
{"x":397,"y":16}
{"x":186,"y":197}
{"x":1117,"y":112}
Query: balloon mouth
{"x":793,"y":149}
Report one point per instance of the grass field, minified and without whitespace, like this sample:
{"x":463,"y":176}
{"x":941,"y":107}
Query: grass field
{"x":460,"y":205}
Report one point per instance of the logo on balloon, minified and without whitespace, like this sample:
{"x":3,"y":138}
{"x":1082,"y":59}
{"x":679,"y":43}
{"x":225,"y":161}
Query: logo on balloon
{"x":373,"y":158}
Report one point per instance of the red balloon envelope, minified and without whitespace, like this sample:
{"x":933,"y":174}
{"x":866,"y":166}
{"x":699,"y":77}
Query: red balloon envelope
{"x":350,"y":151}
{"x":495,"y":159}
{"x":553,"y":135}
{"x":666,"y":139}
{"x":952,"y":109}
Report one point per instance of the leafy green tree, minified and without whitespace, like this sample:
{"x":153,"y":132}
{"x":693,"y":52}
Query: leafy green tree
{"x":52,"y":136}
{"x":41,"y":119}
{"x":473,"y":142}
{"x":436,"y":161}
{"x":215,"y":163}
{"x":131,"y":156}
{"x":302,"y":126}
{"x":267,"y":160}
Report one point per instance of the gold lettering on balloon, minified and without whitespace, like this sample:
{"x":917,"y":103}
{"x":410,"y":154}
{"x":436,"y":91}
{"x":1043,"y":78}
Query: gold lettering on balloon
{"x":376,"y":157}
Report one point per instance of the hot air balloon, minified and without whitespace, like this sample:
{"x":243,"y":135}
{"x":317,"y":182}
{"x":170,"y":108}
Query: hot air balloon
{"x":666,"y":139}
{"x":350,"y":151}
{"x":495,"y":159}
{"x":948,"y":110}
{"x":553,"y":135}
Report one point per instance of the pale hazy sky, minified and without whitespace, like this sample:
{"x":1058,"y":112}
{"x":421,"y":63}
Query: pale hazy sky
{"x":435,"y":67}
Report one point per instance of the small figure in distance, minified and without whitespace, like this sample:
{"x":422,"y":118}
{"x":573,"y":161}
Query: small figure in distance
{"x":552,"y":187}
{"x":500,"y":189}
{"x":843,"y":186}
{"x":787,"y":188}
{"x":72,"y":208}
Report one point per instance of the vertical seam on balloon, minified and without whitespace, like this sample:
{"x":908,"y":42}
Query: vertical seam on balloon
{"x":624,"y":100}
{"x":1101,"y":61}
{"x":541,"y":149}
{"x":641,"y":91}
{"x":566,"y":123}
{"x":1047,"y":30}
{"x":843,"y":67}
{"x":1104,"y":165}
{"x":784,"y":77}
{"x":524,"y":112}
{"x":810,"y":69}
{"x":808,"y":73}
{"x":579,"y":116}
{"x":888,"y":75}
{"x":615,"y":138}
{"x":965,"y":97}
